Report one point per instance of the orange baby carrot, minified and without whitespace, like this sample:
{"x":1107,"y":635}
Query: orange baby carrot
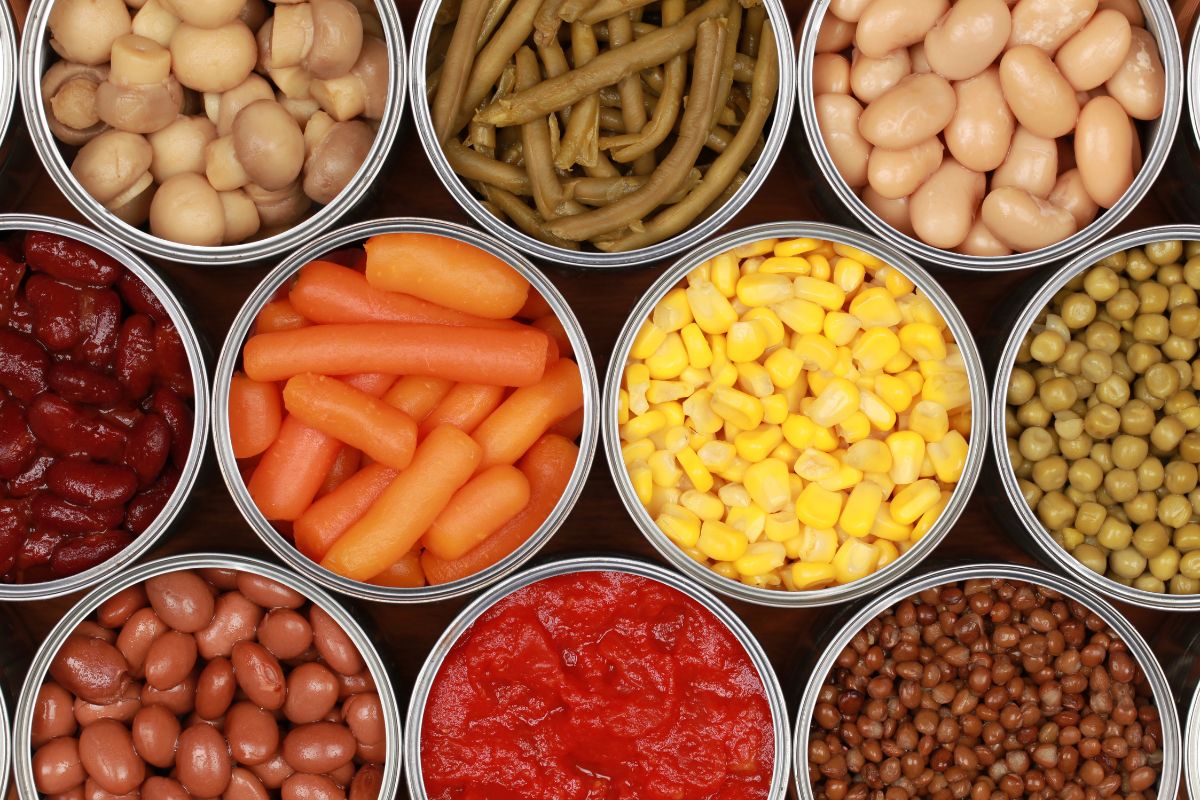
{"x":535,"y":306}
{"x":477,"y":510}
{"x":447,"y":272}
{"x":515,"y":357}
{"x":553,"y":327}
{"x":548,"y":466}
{"x":386,"y":434}
{"x":255,"y":414}
{"x":328,"y":518}
{"x":417,"y":395}
{"x":348,"y":460}
{"x":279,"y":315}
{"x":464,"y":406}
{"x":292,"y":470}
{"x":373,"y":383}
{"x":330,"y":293}
{"x":528,"y":413}
{"x":404,"y":574}
{"x":570,"y":426}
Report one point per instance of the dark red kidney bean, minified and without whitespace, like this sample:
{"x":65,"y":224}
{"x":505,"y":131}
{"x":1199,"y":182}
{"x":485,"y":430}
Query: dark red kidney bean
{"x":33,"y":477}
{"x":140,"y":298}
{"x":134,"y":361}
{"x":53,"y":714}
{"x":81,"y":384}
{"x":100,"y":316}
{"x":14,"y":526}
{"x":56,"y":766}
{"x":311,"y":787}
{"x":367,"y":783}
{"x":60,"y":515}
{"x":157,"y":787}
{"x":17,"y":443}
{"x":116,"y":610}
{"x":91,"y":668}
{"x":11,"y":274}
{"x":87,"y":483}
{"x":148,"y":448}
{"x":39,"y":546}
{"x":76,"y":555}
{"x":20,"y":317}
{"x":144,"y":508}
{"x":171,"y":408}
{"x":23,"y":365}
{"x":69,"y":260}
{"x":63,"y":427}
{"x":56,"y":318}
{"x":170,"y":360}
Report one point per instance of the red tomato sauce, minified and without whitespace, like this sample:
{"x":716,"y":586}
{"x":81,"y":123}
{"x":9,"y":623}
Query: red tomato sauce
{"x":597,"y":686}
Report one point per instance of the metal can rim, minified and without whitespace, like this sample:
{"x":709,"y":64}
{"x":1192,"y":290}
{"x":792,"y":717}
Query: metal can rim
{"x":681,"y":583}
{"x":1192,"y":76}
{"x":1172,"y":738}
{"x":1004,"y":368}
{"x":777,"y":135}
{"x":231,"y":351}
{"x":8,"y":73}
{"x":1191,"y":747}
{"x":22,"y":724}
{"x":962,"y":492}
{"x":32,"y":65}
{"x":1161,"y":24}
{"x":200,"y":411}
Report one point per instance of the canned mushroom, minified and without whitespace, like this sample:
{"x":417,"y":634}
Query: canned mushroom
{"x":987,"y":681}
{"x":1096,"y":404}
{"x":207,"y":707}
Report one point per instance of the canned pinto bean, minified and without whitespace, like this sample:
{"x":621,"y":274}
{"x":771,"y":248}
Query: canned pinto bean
{"x":792,"y":414}
{"x":140,"y":688}
{"x":477,"y":432}
{"x":982,"y":679}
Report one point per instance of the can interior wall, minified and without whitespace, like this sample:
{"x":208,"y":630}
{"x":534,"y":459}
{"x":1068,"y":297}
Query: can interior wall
{"x":1191,"y":747}
{"x":8,"y":67}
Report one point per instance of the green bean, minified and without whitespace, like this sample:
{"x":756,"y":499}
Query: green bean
{"x":524,"y":217}
{"x":743,"y":68}
{"x":572,"y":10}
{"x":538,"y":150}
{"x":447,"y":12}
{"x":727,"y":58}
{"x":633,"y":101}
{"x":546,"y":22}
{"x":579,"y":144}
{"x":756,"y":21}
{"x":457,"y":67}
{"x":602,"y":191}
{"x":494,"y":56}
{"x":609,"y":9}
{"x":496,"y":11}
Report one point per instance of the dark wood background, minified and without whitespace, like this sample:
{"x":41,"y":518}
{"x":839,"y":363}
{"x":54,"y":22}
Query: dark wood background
{"x":599,"y":523}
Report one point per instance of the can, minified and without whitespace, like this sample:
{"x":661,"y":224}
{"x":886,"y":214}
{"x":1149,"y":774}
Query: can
{"x":834,"y":594}
{"x":231,"y":354}
{"x":697,"y":233}
{"x":1028,"y":526}
{"x":8,"y":68}
{"x":1191,"y":746}
{"x":35,"y":57}
{"x":1168,"y":783}
{"x":1161,"y":24}
{"x":195,"y":354}
{"x":23,"y":723}
{"x":463,"y":622}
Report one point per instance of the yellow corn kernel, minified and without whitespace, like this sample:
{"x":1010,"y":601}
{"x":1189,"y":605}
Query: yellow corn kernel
{"x":869,"y":455}
{"x":815,"y":352}
{"x":817,"y":545}
{"x":800,"y":431}
{"x":724,"y":273}
{"x":882,"y":480}
{"x":862,"y":257}
{"x":694,"y":469}
{"x":756,"y":445}
{"x":875,"y":307}
{"x":700,"y":355}
{"x":768,"y":321}
{"x":783,"y":367}
{"x":760,"y":247}
{"x":663,"y":468}
{"x":949,"y":457}
{"x":680,"y":525}
{"x":914,"y":500}
{"x":881,"y":415}
{"x":666,"y":391}
{"x":698,"y":440}
{"x":811,"y":576}
{"x":754,"y":379}
{"x":894,"y":392}
{"x":816,"y":290}
{"x":743,"y":410}
{"x":855,"y":559}
{"x":841,"y":480}
{"x":761,"y":558}
{"x":749,"y":520}
{"x":947,"y":389}
{"x":824,"y":439}
{"x":694,"y":555}
{"x":908,"y":450}
{"x":727,"y":375}
{"x":717,"y":455}
{"x":673,"y":411}
{"x":642,"y":480}
{"x":669,"y":360}
{"x":819,"y":267}
{"x":848,"y":274}
{"x":794,"y":247}
{"x":913,"y":380}
{"x":898,"y":363}
{"x":814,"y":465}
{"x":673,"y":311}
{"x":843,"y":366}
{"x":649,"y":338}
{"x":767,"y":482}
{"x":734,"y":495}
{"x":775,"y":409}
{"x":660,"y":498}
{"x":797,"y":393}
{"x":720,"y":542}
{"x":919,"y":308}
{"x":897,"y":282}
{"x":719,"y":347}
{"x":642,"y":426}
{"x":763,"y":289}
{"x":927,"y":520}
{"x":795,"y":483}
{"x":785,"y":453}
{"x":785,"y":265}
{"x":696,"y":378}
{"x":639,"y":450}
{"x":710,"y":308}
{"x":927,"y":468}
{"x":840,"y":327}
{"x":922,"y":342}
{"x":836,"y":402}
{"x":858,"y":517}
{"x":801,"y":316}
{"x":855,"y":428}
{"x":888,"y":553}
{"x":929,"y":421}
{"x":782,"y":526}
{"x":736,"y":471}
{"x":746,"y":342}
{"x":700,"y":413}
{"x":622,"y":406}
{"x":637,"y":381}
{"x":886,"y":527}
{"x":874,"y":347}
{"x":726,"y":569}
{"x":704,"y":505}
{"x":818,"y":507}
{"x":700,"y":274}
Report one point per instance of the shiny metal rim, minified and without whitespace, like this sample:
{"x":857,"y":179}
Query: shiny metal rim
{"x":958,"y":500}
{"x":1191,"y":747}
{"x":1160,"y":22}
{"x":1029,"y":520}
{"x":1168,"y":782}
{"x":8,"y":73}
{"x":1193,"y":82}
{"x":466,"y":199}
{"x":461,"y":623}
{"x":23,"y":725}
{"x":191,"y":469}
{"x":33,"y":64}
{"x":231,"y":352}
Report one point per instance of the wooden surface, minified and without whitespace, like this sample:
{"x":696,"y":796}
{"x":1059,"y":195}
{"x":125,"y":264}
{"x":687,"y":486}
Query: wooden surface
{"x":599,"y":523}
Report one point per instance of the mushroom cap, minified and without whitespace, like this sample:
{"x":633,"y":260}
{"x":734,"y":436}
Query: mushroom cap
{"x":230,"y":103}
{"x":279,"y":209}
{"x":213,"y":59}
{"x":179,"y":147}
{"x":337,"y":38}
{"x":207,"y":13}
{"x":79,"y":104}
{"x":136,"y":210}
{"x":139,"y":108}
{"x":83,"y":31}
{"x":111,"y":164}
{"x":241,"y":216}
{"x":336,"y":159}
{"x":186,"y":209}
{"x":269,"y":144}
{"x":373,"y":69}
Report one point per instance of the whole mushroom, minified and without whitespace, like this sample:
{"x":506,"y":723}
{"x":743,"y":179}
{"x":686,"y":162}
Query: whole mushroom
{"x":156,"y":21}
{"x":223,"y":108}
{"x":269,"y":144}
{"x":323,"y":36}
{"x":140,"y":95}
{"x":362,"y":91}
{"x":114,"y":168}
{"x":279,"y":209}
{"x":207,"y":13}
{"x":83,"y":31}
{"x":180,"y":146}
{"x":335,"y":158}
{"x":241,"y":216}
{"x":69,"y":99}
{"x":188,"y":210}
{"x":213,"y":59}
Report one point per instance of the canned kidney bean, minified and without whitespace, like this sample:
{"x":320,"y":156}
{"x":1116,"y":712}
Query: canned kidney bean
{"x":178,"y":688}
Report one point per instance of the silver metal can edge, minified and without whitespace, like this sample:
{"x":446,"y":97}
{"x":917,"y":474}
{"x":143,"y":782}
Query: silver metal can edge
{"x":31,"y":66}
{"x":232,"y":350}
{"x":776,"y":138}
{"x":1192,"y":78}
{"x":1004,"y":367}
{"x":1169,"y":778}
{"x":1160,"y":23}
{"x":22,"y":724}
{"x":8,"y":71}
{"x":962,"y":492}
{"x":195,"y":354}
{"x":1191,"y":747}
{"x":681,"y":583}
